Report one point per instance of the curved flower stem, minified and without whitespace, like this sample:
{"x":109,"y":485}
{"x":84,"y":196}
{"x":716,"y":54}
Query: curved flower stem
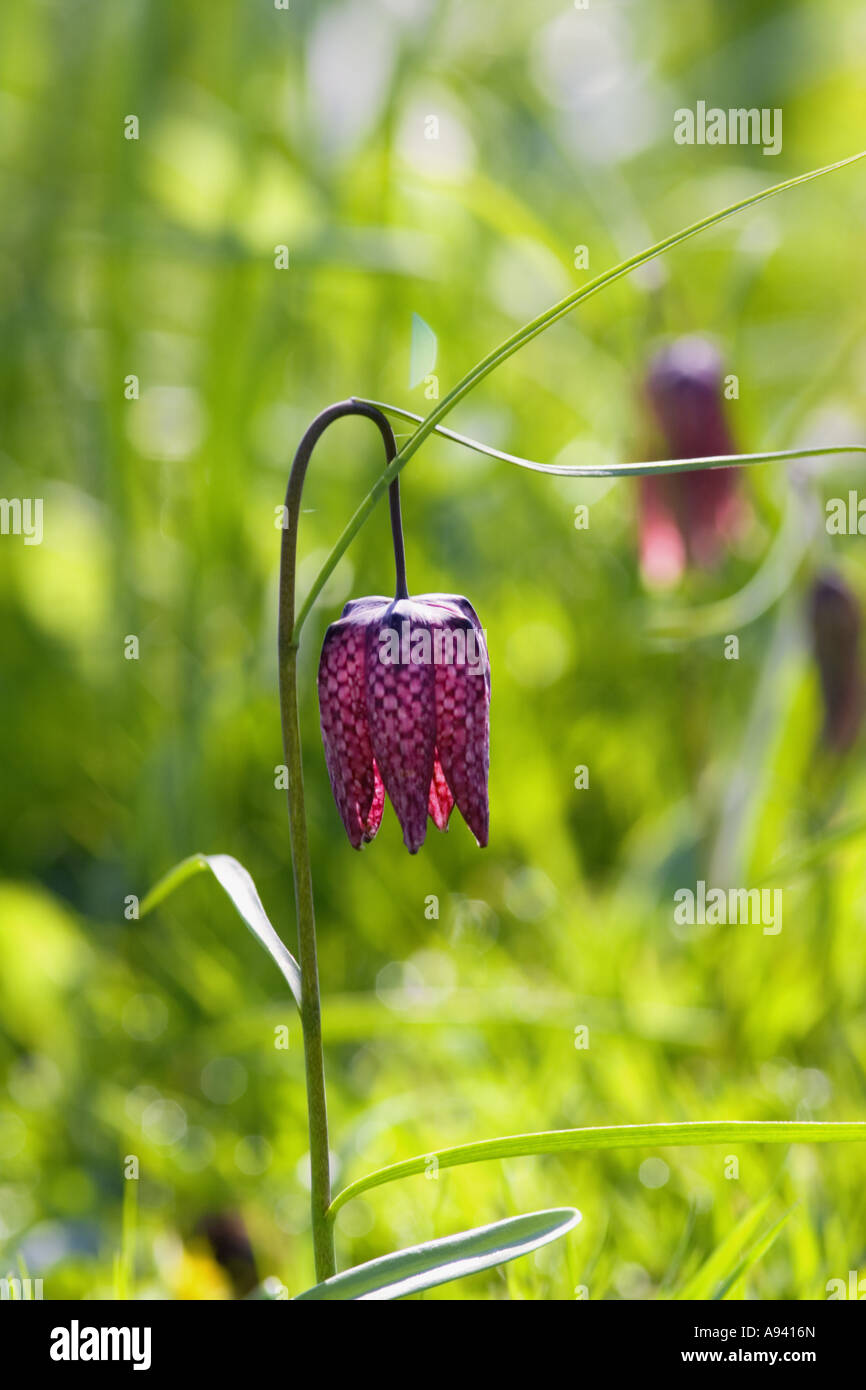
{"x":402,"y":590}
{"x":311,"y":1022}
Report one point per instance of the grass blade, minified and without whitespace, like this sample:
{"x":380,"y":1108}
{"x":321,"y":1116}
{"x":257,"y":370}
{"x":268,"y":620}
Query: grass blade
{"x":751,"y":1257}
{"x":124,"y":1260}
{"x":810,"y":855}
{"x":715,"y":1269}
{"x":237,"y":883}
{"x":622,"y":470}
{"x":451,"y":1257}
{"x":697,"y":1133}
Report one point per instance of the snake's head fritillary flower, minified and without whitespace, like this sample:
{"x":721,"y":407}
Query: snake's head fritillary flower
{"x":835,"y":622}
{"x":687,"y":518}
{"x":404,"y":698}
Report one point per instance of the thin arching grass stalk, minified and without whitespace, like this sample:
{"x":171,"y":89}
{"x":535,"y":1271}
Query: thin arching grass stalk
{"x":626,"y":470}
{"x":682,"y":1134}
{"x":518,"y":340}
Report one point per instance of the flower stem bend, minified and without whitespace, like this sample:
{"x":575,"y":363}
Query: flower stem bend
{"x":311,"y":1022}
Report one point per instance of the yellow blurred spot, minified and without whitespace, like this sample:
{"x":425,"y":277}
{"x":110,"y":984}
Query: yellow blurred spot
{"x":198,"y":1277}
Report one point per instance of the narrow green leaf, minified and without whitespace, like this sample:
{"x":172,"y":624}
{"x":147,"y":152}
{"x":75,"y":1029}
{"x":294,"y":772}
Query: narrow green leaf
{"x":124,"y":1260}
{"x":518,"y":340}
{"x":718,"y":1265}
{"x":452,"y":1257}
{"x":237,"y":883}
{"x":623,"y":470}
{"x":697,"y":1133}
{"x":751,"y":1257}
{"x":808,"y":856}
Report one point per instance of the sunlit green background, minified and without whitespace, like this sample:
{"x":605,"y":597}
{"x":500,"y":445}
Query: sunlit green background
{"x":155,"y":258}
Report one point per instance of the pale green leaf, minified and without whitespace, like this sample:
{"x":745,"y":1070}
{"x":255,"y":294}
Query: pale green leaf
{"x":451,"y":1257}
{"x":237,"y":883}
{"x":423,"y":350}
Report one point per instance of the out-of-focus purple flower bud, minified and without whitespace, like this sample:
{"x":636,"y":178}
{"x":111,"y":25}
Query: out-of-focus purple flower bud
{"x":687,"y":517}
{"x":404,"y":699}
{"x":231,"y":1248}
{"x":835,"y":622}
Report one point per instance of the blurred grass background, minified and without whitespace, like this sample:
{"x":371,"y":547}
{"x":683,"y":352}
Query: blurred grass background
{"x":155,"y":258}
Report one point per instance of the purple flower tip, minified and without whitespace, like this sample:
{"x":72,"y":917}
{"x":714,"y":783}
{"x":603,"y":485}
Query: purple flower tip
{"x":404,"y":700}
{"x":687,"y":517}
{"x":835,"y":623}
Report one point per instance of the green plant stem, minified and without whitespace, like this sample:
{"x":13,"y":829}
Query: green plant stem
{"x":311,"y":1014}
{"x":311,"y":1018}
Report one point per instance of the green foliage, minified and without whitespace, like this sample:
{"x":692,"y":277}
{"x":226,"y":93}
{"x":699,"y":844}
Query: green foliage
{"x":451,"y":1257}
{"x":453,"y":1019}
{"x":238,"y":886}
{"x":610,"y":1137}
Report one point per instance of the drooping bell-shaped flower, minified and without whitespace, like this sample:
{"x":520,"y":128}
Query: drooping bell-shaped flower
{"x":404,"y":698}
{"x":687,"y":518}
{"x":835,"y":622}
